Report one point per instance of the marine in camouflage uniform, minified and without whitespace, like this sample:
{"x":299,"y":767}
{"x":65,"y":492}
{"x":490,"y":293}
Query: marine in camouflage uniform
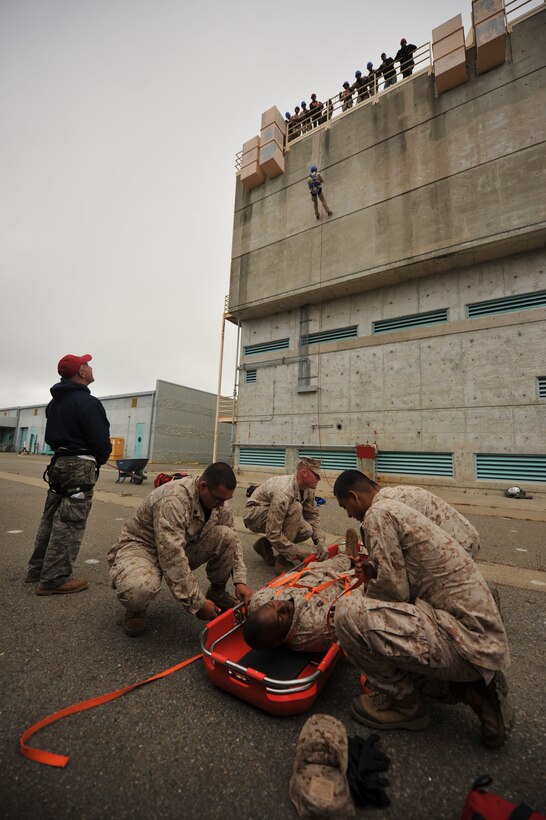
{"x":309,"y":631}
{"x":426,"y":611}
{"x":79,"y":433}
{"x":285,"y":510}
{"x":439,"y":512}
{"x":174,"y":531}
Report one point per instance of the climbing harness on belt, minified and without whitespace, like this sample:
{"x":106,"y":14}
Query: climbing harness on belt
{"x":59,"y":489}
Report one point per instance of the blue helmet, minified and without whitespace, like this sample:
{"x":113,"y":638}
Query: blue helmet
{"x":288,"y":115}
{"x":358,"y":73}
{"x":346,"y":84}
{"x":303,"y":103}
{"x":313,"y":168}
{"x":370,"y":65}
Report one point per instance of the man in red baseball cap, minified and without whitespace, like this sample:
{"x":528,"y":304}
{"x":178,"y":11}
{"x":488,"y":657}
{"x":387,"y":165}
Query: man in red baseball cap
{"x":79,"y":433}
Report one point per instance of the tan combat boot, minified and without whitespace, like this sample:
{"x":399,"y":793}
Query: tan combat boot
{"x":134,"y":622}
{"x":351,"y":543}
{"x":73,"y":585}
{"x":218,"y":595}
{"x":384,"y":712}
{"x":265,"y":551}
{"x":490,"y":703}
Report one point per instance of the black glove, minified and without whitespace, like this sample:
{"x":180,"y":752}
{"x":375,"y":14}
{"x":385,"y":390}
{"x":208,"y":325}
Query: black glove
{"x":366,"y":761}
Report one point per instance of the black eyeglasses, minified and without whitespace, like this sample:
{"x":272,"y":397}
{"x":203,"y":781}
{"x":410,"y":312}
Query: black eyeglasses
{"x":217,"y":499}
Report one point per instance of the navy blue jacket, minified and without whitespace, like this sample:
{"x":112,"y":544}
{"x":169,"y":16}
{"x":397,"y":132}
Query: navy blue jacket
{"x":77,"y":420}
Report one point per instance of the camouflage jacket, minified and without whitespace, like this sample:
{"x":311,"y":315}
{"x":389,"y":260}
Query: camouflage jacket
{"x":439,"y":512}
{"x":277,"y":494}
{"x":417,"y":562}
{"x":170,"y":519}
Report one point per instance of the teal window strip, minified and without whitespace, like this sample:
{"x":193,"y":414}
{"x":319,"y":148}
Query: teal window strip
{"x":267,"y":347}
{"x":262,"y":457}
{"x":416,"y":320}
{"x":404,"y":463}
{"x":330,"y":335}
{"x":510,"y":468}
{"x":508,"y":304}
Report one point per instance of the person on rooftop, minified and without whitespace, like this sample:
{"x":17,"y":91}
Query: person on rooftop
{"x":305,"y":117}
{"x":360,"y":87}
{"x":371,"y":79}
{"x":388,"y":71}
{"x":346,"y":96}
{"x":404,"y":56}
{"x":315,"y":106}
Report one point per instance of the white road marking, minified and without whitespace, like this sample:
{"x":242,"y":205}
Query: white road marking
{"x":14,"y":532}
{"x":92,"y":561}
{"x":538,"y":583}
{"x":520,"y":549}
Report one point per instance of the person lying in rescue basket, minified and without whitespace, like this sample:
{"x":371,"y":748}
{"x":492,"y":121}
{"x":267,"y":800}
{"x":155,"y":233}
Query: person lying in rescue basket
{"x":180,"y":526}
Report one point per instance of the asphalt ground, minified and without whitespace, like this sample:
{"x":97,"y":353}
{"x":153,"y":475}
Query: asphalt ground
{"x":181,"y":747}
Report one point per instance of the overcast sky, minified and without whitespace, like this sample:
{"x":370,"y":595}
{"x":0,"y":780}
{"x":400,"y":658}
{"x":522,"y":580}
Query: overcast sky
{"x":119,"y":124}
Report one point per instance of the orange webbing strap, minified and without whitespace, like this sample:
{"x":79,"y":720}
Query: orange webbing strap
{"x":51,"y":759}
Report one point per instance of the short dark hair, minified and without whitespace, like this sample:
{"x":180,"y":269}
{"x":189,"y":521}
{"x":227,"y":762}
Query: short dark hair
{"x":220,"y":473}
{"x":352,"y":480}
{"x":257,"y":633}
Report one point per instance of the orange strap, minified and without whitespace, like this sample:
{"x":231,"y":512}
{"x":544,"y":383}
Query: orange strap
{"x":51,"y":759}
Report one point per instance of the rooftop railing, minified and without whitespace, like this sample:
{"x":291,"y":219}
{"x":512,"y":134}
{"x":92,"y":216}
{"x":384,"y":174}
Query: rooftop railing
{"x":369,"y":89}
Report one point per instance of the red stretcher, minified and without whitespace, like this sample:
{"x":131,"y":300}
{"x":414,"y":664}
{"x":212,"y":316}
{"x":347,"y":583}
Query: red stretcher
{"x":279,"y":681}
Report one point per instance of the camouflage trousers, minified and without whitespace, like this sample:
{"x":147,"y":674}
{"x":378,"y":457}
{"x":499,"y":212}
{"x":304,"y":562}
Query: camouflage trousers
{"x":62,"y":527}
{"x":395,"y":644}
{"x":294,"y":527}
{"x":324,"y":203}
{"x":137,"y":575}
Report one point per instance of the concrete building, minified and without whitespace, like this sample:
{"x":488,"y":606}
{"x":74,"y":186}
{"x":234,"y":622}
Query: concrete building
{"x":414,"y":318}
{"x":170,"y":424}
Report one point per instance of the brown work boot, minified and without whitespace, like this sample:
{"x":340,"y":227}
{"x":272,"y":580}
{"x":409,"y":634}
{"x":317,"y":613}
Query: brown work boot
{"x":134,"y":622}
{"x":491,"y":705}
{"x":73,"y":585}
{"x":218,"y":595}
{"x":32,"y":579}
{"x":282,"y":565}
{"x":265,"y":551}
{"x":384,"y":712}
{"x":351,"y":543}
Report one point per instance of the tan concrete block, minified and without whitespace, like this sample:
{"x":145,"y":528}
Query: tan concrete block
{"x":272,"y":133}
{"x":483,"y":9}
{"x":447,"y":28}
{"x":271,"y":159}
{"x":250,"y":156}
{"x":448,"y":44}
{"x":272,"y":115}
{"x":450,"y":71}
{"x":252,"y":175}
{"x":250,"y":144}
{"x":491,"y":43}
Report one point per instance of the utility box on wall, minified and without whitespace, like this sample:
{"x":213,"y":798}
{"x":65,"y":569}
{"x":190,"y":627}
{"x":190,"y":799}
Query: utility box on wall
{"x":118,"y":447}
{"x":489,"y":19}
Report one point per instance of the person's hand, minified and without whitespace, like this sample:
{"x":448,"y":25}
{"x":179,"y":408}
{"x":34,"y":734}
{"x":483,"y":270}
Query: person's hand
{"x":322,"y":551}
{"x":243,"y":593}
{"x":208,"y":611}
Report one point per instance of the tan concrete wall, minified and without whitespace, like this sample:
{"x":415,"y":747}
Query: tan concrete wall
{"x":418,"y":184}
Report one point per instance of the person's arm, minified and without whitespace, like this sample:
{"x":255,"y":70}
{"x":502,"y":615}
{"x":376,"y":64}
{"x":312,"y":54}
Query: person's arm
{"x":387,"y":567}
{"x":278,"y":509}
{"x":96,"y":428}
{"x":311,"y":514}
{"x":171,"y":518}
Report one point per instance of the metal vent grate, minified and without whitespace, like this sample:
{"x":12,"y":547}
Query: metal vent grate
{"x":267,"y":347}
{"x":432,"y":317}
{"x":415,"y":463}
{"x":510,"y":468}
{"x":331,"y":459}
{"x":330,"y":335}
{"x":508,"y":304}
{"x":541,"y":380}
{"x":262,"y":456}
{"x":250,"y":376}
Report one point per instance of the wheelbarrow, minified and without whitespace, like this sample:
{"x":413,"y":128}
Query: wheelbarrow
{"x":131,"y":468}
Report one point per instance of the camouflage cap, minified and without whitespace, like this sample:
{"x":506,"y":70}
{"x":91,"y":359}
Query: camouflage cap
{"x":311,"y":464}
{"x":319,"y":785}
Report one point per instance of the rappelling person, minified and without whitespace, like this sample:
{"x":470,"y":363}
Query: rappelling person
{"x":315,"y":183}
